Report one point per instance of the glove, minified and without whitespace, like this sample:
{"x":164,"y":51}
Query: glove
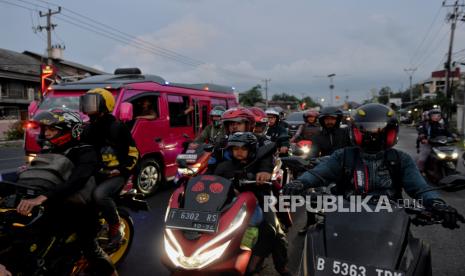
{"x":294,"y":188}
{"x":448,"y":214}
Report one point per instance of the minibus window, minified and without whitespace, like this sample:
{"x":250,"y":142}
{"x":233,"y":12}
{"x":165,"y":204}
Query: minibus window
{"x":180,"y":111}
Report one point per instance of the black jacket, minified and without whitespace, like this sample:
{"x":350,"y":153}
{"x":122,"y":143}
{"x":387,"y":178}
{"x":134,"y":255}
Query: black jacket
{"x":432,"y":130}
{"x":279,"y":135}
{"x":113,"y":140}
{"x":329,"y":140}
{"x":263,"y":163}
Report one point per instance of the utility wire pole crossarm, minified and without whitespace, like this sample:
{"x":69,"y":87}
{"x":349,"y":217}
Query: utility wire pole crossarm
{"x":49,"y":29}
{"x":266,"y":91}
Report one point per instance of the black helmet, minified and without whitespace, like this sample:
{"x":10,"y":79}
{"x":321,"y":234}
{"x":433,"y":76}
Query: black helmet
{"x":67,"y":122}
{"x":243,"y":139}
{"x":374,"y":127}
{"x":330,"y":111}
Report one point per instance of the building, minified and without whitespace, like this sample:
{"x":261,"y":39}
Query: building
{"x":20,"y":80}
{"x":437,"y":82}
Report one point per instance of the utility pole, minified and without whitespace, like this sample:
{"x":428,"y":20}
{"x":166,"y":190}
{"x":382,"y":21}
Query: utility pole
{"x":49,"y":29}
{"x":266,"y":91}
{"x":410,"y":72}
{"x":331,"y":86}
{"x":452,"y":17}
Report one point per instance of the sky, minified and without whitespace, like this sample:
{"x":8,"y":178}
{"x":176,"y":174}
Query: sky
{"x":240,"y":43}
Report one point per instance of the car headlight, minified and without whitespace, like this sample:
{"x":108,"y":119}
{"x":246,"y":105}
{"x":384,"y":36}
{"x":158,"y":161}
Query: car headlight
{"x":207,"y":253}
{"x":455,"y":155}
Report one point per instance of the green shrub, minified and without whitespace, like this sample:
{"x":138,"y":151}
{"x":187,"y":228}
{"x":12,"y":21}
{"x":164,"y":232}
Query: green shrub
{"x":15,"y":131}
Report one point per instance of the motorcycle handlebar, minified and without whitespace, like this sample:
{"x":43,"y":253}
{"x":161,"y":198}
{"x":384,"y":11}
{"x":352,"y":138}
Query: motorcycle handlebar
{"x":248,"y":182}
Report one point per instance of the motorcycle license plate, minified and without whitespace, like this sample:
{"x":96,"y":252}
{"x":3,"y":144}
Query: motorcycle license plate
{"x":331,"y":267}
{"x":187,"y":157}
{"x":199,"y":221}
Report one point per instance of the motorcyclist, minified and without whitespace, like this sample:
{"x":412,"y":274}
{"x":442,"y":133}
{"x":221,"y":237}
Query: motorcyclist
{"x":421,"y":126}
{"x":213,"y":131}
{"x":277,"y":133}
{"x":261,"y":125}
{"x":60,"y":131}
{"x":433,"y":128}
{"x":236,"y":119}
{"x":282,"y":116}
{"x":119,"y":155}
{"x":373,"y":167}
{"x":309,"y":129}
{"x":331,"y":136}
{"x":271,"y":239}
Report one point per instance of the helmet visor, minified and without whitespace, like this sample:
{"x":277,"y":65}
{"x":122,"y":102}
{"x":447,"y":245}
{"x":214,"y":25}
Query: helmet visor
{"x":372,"y":127}
{"x":90,"y":103}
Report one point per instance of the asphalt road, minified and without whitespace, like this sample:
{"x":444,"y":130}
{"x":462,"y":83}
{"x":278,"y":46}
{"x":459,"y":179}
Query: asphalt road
{"x":448,"y":247}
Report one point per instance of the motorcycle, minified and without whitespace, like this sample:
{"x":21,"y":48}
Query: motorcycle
{"x":302,"y":149}
{"x":372,"y":243}
{"x":193,"y":162}
{"x":442,"y":160}
{"x":28,"y":250}
{"x":206,"y":225}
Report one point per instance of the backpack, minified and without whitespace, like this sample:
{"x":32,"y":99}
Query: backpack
{"x":50,"y":170}
{"x":391,"y":159}
{"x":47,"y":171}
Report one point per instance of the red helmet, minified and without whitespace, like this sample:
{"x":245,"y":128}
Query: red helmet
{"x":261,"y":120}
{"x":310,"y":113}
{"x":238,"y":114}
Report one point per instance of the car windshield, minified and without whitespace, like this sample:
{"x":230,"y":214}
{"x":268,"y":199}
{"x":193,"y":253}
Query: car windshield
{"x":70,"y":102}
{"x":296,"y":116}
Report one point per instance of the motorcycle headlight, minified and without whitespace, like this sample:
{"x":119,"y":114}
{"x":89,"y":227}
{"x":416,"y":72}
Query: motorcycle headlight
{"x":305,"y":150}
{"x":207,"y":253}
{"x":455,"y":155}
{"x":187,"y":171}
{"x":30,"y":157}
{"x":439,"y":153}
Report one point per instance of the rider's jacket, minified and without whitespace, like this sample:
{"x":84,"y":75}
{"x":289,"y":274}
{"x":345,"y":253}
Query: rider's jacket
{"x":210,"y":134}
{"x":370,"y":175}
{"x":307,"y":131}
{"x":329,"y":140}
{"x":279,"y":135}
{"x":433,"y":129}
{"x":113,"y":140}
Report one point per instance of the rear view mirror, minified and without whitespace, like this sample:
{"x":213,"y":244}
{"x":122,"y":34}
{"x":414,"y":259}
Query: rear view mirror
{"x":453,"y":183}
{"x":32,"y":108}
{"x":125,"y":112}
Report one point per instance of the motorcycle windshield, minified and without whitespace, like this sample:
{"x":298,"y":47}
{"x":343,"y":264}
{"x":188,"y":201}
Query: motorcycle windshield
{"x":206,"y":193}
{"x":367,"y":238}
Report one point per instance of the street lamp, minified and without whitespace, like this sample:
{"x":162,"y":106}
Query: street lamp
{"x":331,"y":86}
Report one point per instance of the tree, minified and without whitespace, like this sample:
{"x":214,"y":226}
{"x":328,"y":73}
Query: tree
{"x":284,"y":97}
{"x":384,"y":94}
{"x":309,"y":102}
{"x":251,"y":96}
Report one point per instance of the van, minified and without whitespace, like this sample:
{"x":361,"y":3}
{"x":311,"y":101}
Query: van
{"x":177,"y":113}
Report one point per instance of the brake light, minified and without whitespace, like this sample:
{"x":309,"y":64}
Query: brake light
{"x":31,"y":125}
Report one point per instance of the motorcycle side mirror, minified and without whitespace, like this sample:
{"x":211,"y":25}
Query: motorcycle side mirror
{"x":181,"y":163}
{"x":208,"y":148}
{"x":32,"y":108}
{"x":125,"y":112}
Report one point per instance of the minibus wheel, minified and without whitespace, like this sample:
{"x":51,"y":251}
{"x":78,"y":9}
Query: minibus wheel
{"x":149,"y":177}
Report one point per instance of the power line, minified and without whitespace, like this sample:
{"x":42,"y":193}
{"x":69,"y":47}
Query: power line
{"x":426,"y":35}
